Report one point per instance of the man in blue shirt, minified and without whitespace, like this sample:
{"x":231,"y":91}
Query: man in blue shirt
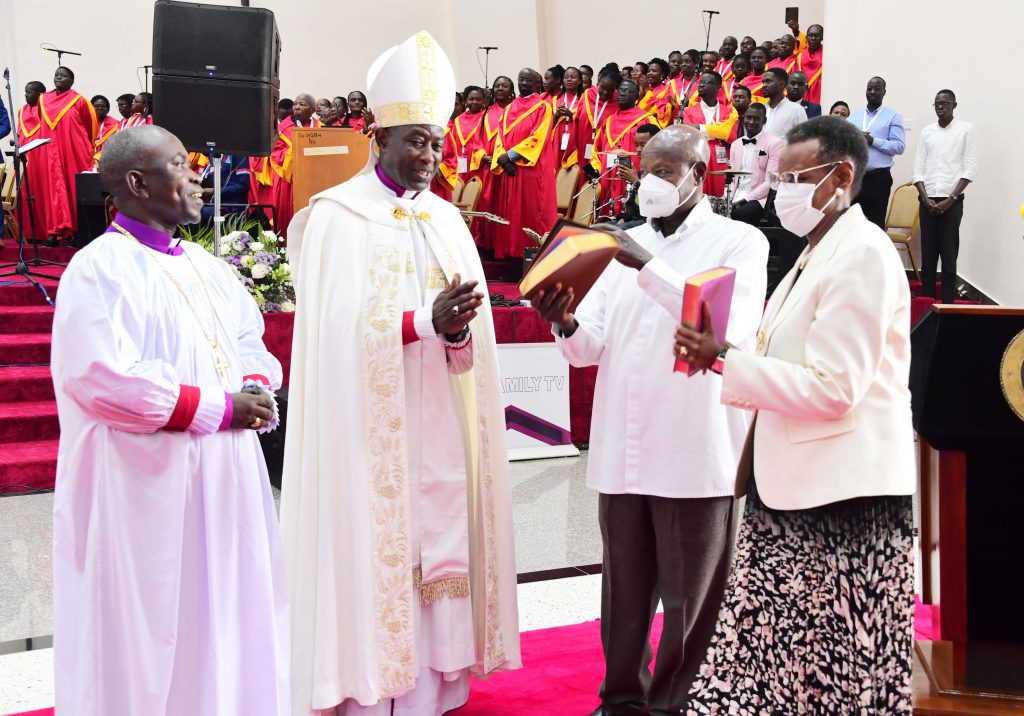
{"x":883,"y":130}
{"x":5,"y":121}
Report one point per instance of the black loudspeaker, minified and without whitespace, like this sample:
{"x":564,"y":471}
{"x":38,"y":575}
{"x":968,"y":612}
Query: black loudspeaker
{"x":229,"y":116}
{"x":217,"y":42}
{"x":215,"y":76}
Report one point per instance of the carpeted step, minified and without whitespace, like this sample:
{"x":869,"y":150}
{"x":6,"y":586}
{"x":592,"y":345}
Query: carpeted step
{"x":61,"y":254}
{"x":36,"y":420}
{"x":16,"y":291}
{"x":24,"y":348}
{"x":28,"y":466}
{"x":18,"y":385}
{"x":26,"y":319}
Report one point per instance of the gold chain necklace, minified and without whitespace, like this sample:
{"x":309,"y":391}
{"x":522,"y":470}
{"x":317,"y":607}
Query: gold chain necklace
{"x":218,"y":361}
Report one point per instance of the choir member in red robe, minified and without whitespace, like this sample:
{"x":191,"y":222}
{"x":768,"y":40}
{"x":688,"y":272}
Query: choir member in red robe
{"x":359,"y":115}
{"x":586,"y":77}
{"x":124,"y":106}
{"x":523,"y":181}
{"x":660,"y":101}
{"x":503,"y":93}
{"x":326,"y":113}
{"x":261,"y":186}
{"x":684,"y":85}
{"x":715,"y":121}
{"x":142,"y":112}
{"x":70,"y":121}
{"x":809,"y":62}
{"x":105,"y":124}
{"x":754,"y":80}
{"x":747,"y":44}
{"x":281,"y":159}
{"x":618,"y":138}
{"x":447,"y":175}
{"x":568,"y":106}
{"x":33,"y":214}
{"x":741,"y":103}
{"x":596,"y":104}
{"x":708,"y":62}
{"x":786,"y":59}
{"x":727,"y":52}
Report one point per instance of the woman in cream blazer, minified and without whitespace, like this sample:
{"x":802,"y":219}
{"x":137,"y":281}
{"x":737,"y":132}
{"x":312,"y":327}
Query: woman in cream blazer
{"x":818,"y":614}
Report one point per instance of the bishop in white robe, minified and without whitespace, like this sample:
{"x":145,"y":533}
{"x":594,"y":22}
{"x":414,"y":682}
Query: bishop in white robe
{"x":396,"y":508}
{"x":169,"y":580}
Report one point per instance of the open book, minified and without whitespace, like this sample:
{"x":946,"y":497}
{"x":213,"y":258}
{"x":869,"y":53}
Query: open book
{"x":574,"y":256}
{"x":713,"y":287}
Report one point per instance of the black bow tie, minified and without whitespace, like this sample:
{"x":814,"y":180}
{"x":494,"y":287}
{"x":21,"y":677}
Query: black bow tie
{"x":752,"y":140}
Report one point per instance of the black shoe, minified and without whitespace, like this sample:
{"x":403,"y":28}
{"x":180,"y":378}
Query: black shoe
{"x":51,"y":242}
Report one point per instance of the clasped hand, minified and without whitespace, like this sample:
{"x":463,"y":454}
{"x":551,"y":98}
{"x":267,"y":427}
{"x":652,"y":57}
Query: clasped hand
{"x":698,"y":348}
{"x":246,"y":407}
{"x":455,"y":307}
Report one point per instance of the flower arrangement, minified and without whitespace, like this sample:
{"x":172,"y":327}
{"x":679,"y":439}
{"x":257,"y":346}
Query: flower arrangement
{"x":260,"y":264}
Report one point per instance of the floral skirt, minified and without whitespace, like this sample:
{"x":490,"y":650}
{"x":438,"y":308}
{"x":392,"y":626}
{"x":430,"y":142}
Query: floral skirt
{"x":818,"y":614}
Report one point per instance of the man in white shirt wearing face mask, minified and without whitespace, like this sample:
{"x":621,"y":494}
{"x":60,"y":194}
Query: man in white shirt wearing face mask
{"x":664,"y":450}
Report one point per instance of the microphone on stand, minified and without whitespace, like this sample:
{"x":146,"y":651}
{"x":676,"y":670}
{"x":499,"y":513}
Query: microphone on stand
{"x":712,"y":12}
{"x":487,"y":48}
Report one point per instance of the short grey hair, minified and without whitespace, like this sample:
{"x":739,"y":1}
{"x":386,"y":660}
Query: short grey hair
{"x":128,"y":149}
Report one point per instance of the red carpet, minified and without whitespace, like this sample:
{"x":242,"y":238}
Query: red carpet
{"x":563,"y":667}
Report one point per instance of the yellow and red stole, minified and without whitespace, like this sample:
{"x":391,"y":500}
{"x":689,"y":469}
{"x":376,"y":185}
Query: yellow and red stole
{"x":281,"y":156}
{"x":724,"y":68}
{"x":787,"y":64}
{"x":660,"y":103}
{"x":28,"y":123}
{"x":530,"y":146}
{"x":811,"y":64}
{"x":685,"y":92}
{"x":469,"y":138}
{"x":53,"y":107}
{"x":104,"y":131}
{"x":615,"y":129}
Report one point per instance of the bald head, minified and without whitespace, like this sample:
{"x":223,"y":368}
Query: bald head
{"x":680,"y":143}
{"x":133,"y":149}
{"x":146,"y":170}
{"x":302,"y":110}
{"x":529,"y":81}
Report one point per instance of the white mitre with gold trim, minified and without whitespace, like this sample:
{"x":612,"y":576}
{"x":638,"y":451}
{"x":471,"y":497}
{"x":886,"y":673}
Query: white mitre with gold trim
{"x":412,"y":83}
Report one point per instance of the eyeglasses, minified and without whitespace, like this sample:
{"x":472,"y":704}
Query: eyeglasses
{"x":776,"y":178}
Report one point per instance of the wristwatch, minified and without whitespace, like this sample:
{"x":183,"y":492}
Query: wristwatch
{"x":719,"y":365}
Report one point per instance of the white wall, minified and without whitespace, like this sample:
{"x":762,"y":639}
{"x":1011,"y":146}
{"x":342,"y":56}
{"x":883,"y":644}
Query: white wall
{"x":917,"y":63}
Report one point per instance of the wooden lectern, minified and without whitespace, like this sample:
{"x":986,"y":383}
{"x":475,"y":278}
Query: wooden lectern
{"x":325,"y":157}
{"x":967,"y":381}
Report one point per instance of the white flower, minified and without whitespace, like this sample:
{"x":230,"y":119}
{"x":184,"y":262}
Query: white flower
{"x":226,"y":243}
{"x":255,"y":246}
{"x":248,"y":261}
{"x":268,"y":236}
{"x":260,"y":271}
{"x":238,"y":246}
{"x":287,"y":307}
{"x":234,"y":270}
{"x":285,"y":267}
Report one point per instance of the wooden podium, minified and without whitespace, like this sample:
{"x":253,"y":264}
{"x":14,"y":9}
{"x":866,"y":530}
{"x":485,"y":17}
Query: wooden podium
{"x":967,"y":381}
{"x":325,"y":157}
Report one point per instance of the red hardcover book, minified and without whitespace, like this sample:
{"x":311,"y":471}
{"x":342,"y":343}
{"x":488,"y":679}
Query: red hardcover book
{"x":713,"y":287}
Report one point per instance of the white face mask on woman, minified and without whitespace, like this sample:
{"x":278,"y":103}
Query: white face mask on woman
{"x":794,"y":204}
{"x":659,"y":198}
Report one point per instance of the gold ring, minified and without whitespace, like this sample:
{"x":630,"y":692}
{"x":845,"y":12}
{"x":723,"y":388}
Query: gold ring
{"x":256,"y":423}
{"x":683,"y":352}
{"x":455,"y":310}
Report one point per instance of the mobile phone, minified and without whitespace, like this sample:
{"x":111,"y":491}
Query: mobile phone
{"x":625,"y":160}
{"x":792,"y":14}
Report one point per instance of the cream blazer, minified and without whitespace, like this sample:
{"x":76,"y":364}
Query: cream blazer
{"x":829,"y":377}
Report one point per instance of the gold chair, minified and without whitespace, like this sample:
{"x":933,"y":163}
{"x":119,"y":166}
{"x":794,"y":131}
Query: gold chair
{"x":8,"y":196}
{"x":470,"y":195}
{"x":565,"y":186}
{"x":902,"y":221}
{"x":584,"y":206}
{"x":457,"y":191}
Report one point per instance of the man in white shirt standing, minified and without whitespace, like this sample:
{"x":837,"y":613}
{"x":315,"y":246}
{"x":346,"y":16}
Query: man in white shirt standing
{"x":664,"y":450}
{"x":943,"y":167}
{"x":758,"y":153}
{"x":782,"y":114}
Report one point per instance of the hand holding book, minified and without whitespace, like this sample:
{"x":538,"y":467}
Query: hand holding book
{"x":698,"y":348}
{"x":553,"y":306}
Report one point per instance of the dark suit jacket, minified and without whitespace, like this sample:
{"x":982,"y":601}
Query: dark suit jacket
{"x":812,"y":109}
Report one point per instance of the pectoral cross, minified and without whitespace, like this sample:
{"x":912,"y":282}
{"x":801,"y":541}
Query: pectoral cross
{"x":221,"y":365}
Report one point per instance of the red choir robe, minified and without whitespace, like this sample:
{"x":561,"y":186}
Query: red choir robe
{"x":810,"y":64}
{"x":481,"y":229}
{"x":788,"y":64}
{"x":261,"y":184}
{"x":469,"y":136}
{"x":447,"y":174}
{"x":70,"y":121}
{"x":753,"y":83}
{"x":104,"y":131}
{"x":136,"y":120}
{"x":563,"y":130}
{"x":197,"y":162}
{"x":357,"y":123}
{"x":528,"y":198}
{"x":590,"y":115}
{"x":719,"y":132}
{"x":724,"y":68}
{"x":685,"y":91}
{"x":661,"y":104}
{"x":617,"y":133}
{"x":28,"y":129}
{"x":282,"y":194}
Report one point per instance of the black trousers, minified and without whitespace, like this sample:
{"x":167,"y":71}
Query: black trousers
{"x":874,"y":195}
{"x":940,"y":236}
{"x":749,"y":212}
{"x":676,"y":550}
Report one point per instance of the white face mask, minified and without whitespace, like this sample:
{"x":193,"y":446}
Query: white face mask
{"x":659,"y":198}
{"x":794,"y":205}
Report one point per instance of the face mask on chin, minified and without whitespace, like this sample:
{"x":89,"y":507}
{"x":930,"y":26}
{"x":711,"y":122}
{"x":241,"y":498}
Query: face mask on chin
{"x":794,"y":205}
{"x":659,"y":198}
